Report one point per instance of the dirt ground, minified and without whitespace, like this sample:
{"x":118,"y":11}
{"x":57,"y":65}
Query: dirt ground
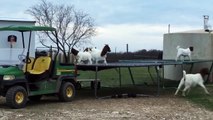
{"x":163,"y":107}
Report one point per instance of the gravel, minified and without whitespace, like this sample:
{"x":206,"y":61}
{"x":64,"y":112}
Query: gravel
{"x":164,"y":107}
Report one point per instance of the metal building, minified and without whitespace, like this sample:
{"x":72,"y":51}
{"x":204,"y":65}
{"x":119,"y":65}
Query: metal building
{"x":200,"y":40}
{"x":5,"y":36}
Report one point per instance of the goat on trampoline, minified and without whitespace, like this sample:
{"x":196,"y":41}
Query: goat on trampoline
{"x":98,"y":55}
{"x":183,"y":52}
{"x":82,"y":56}
{"x":191,"y":80}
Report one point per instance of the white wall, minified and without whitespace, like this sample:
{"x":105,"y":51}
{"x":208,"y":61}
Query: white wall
{"x":202,"y":43}
{"x":4,"y":35}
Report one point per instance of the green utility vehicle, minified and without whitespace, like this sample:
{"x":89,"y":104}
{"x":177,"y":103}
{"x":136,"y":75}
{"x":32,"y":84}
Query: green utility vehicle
{"x":24,"y":78}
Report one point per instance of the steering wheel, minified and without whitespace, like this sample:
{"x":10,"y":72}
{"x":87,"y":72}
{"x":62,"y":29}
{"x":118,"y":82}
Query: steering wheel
{"x":23,"y":59}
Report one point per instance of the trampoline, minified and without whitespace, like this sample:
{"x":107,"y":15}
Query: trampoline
{"x":139,"y":63}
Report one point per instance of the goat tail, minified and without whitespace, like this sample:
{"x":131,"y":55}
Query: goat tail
{"x":177,"y":47}
{"x":184,"y":74}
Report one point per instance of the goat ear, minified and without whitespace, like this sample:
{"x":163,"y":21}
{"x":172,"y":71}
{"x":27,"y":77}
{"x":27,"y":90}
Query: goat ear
{"x":191,"y":48}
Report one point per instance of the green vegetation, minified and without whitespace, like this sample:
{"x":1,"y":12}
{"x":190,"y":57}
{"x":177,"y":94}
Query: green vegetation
{"x":198,"y":97}
{"x":110,"y":77}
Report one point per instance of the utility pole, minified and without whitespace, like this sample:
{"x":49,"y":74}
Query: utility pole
{"x":127,"y":48}
{"x":169,"y":28}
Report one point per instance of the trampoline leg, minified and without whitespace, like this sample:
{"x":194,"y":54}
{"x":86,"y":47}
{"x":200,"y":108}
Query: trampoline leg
{"x":163,"y":80}
{"x":158,"y":80}
{"x":119,"y":75}
{"x":130,"y":72}
{"x":119,"y":72}
{"x":209,"y":73}
{"x":151,"y":75}
{"x":190,"y":71}
{"x":96,"y":82}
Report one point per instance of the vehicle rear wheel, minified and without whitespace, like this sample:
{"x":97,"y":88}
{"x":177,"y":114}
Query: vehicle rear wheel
{"x":16,"y":97}
{"x":67,"y":92}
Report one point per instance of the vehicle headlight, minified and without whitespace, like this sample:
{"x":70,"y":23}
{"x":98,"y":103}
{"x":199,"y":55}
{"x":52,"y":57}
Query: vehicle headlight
{"x":8,"y":77}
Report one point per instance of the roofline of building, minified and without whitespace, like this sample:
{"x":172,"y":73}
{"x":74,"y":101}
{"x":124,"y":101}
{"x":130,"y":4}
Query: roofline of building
{"x":197,"y":31}
{"x":30,"y":21}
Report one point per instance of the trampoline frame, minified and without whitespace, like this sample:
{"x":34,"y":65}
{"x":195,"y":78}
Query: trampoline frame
{"x":139,"y":63}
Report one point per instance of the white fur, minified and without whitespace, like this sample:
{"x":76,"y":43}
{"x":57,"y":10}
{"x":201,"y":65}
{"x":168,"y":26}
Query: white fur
{"x":96,"y":56}
{"x":83,"y":56}
{"x":183,"y":52}
{"x":189,"y":81}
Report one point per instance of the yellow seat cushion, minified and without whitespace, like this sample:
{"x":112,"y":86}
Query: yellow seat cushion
{"x":36,"y":72}
{"x":41,"y":65}
{"x":29,"y":65}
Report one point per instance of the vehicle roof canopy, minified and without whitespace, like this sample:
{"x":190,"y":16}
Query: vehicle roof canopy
{"x":27,"y":28}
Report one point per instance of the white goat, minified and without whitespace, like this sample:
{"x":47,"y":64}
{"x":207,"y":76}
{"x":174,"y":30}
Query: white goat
{"x":82,"y":56}
{"x":98,"y":55}
{"x":183,"y":52}
{"x":191,"y":80}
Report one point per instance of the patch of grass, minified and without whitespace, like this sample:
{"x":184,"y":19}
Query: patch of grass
{"x":110,"y":77}
{"x":198,"y":96}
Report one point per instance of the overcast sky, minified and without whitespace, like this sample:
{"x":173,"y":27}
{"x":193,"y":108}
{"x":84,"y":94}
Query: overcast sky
{"x":138,"y":23}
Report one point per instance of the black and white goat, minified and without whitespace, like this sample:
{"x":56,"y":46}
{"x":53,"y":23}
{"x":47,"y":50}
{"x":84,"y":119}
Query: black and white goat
{"x":191,"y":80}
{"x":183,"y":52}
{"x":82,"y":56}
{"x":98,"y":55}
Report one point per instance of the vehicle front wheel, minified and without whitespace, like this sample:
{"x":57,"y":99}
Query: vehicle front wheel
{"x":67,"y":92}
{"x":16,"y":97}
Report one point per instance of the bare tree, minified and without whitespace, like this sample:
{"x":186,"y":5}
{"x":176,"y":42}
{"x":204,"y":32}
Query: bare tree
{"x":74,"y":28}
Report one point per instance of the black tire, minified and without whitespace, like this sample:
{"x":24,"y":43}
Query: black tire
{"x":67,"y":92}
{"x":35,"y":98}
{"x":16,"y":97}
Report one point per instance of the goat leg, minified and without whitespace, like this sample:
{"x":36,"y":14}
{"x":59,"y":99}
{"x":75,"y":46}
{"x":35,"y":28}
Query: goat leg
{"x":188,"y":91}
{"x":206,"y":91}
{"x":179,"y":86}
{"x":184,"y":90}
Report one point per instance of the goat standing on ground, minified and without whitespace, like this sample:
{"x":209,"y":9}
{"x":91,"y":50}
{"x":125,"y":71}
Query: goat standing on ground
{"x":184,"y":52}
{"x":82,"y":56}
{"x":191,"y":80}
{"x":98,"y":55}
